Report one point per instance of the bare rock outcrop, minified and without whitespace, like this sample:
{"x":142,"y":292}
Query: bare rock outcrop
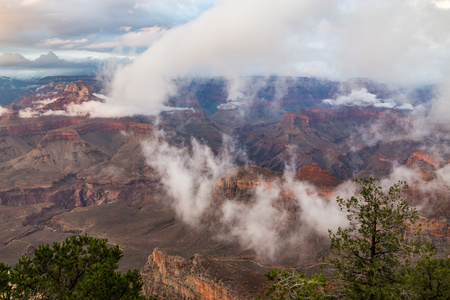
{"x":425,"y":163}
{"x":175,"y":277}
{"x":318,"y":177}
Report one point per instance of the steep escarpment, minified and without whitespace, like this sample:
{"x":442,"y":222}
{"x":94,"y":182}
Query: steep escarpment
{"x":71,"y":191}
{"x":318,"y":177}
{"x":343,"y":141}
{"x":26,"y":127}
{"x":63,"y":173}
{"x":57,"y":95}
{"x":41,"y":151}
{"x":172,"y":276}
{"x":425,"y":163}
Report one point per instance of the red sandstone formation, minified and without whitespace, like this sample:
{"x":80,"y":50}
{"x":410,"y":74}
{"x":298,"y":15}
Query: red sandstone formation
{"x":317,"y":176}
{"x":425,"y":163}
{"x":36,"y":125}
{"x":292,"y":120}
{"x":436,"y":228}
{"x":114,"y":125}
{"x":61,"y":135}
{"x":413,"y":160}
{"x":174,"y":277}
{"x":55,"y":96}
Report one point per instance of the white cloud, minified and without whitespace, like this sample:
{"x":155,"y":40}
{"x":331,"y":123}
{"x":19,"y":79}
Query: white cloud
{"x":256,"y":225}
{"x":260,"y":223}
{"x":3,"y":110}
{"x":30,"y":2}
{"x":125,"y":28}
{"x":442,"y":4}
{"x":141,"y":5}
{"x":398,"y":41}
{"x":12,"y":59}
{"x":64,"y":44}
{"x":144,"y":37}
{"x":26,"y":23}
{"x":230,"y":37}
{"x":406,"y":106}
{"x":28,"y":112}
{"x":188,"y":176}
{"x":41,"y":103}
{"x":97,"y":109}
{"x":362,"y":97}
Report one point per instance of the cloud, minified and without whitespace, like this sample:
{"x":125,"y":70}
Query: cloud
{"x":3,"y":110}
{"x":427,"y":196}
{"x":51,"y":64}
{"x":64,"y":44}
{"x":140,"y":5}
{"x":440,"y":108}
{"x":214,"y":45}
{"x":404,"y":42}
{"x":97,"y":109}
{"x":263,"y":225}
{"x":362,"y":97}
{"x":29,"y":2}
{"x":143,"y":37}
{"x":26,"y":23}
{"x":190,"y":176}
{"x":395,"y":41}
{"x":49,"y":60}
{"x":442,"y":4}
{"x":278,"y":216}
{"x":125,"y":28}
{"x":256,"y":225}
{"x":12,"y":59}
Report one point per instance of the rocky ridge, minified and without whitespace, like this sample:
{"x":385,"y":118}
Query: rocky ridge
{"x":171,"y":276}
{"x":65,"y":174}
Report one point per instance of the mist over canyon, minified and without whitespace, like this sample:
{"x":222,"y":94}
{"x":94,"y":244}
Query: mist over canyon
{"x":210,"y":139}
{"x":243,"y":177}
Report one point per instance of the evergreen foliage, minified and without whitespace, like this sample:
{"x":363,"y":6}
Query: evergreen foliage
{"x":81,"y":267}
{"x":430,"y":279}
{"x":373,"y":250}
{"x":5,"y":284}
{"x":372,"y":255}
{"x":295,"y":286}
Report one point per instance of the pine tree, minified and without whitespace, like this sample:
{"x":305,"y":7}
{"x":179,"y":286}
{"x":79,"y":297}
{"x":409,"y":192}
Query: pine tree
{"x":81,"y":267}
{"x":373,"y":250}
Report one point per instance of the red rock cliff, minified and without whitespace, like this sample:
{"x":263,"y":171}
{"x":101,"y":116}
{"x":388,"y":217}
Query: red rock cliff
{"x":317,"y":176}
{"x":174,"y":277}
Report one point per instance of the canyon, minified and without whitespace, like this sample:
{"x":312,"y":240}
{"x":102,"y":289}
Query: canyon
{"x":64,"y":173}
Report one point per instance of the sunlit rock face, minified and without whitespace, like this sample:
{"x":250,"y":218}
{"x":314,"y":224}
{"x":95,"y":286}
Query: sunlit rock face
{"x":65,"y":172}
{"x":55,"y":158}
{"x":171,"y":276}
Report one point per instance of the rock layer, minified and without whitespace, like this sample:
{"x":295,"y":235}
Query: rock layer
{"x":174,"y":277}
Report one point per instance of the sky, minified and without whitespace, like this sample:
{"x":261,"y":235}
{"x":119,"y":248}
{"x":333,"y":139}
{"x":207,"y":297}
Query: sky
{"x":143,"y":46}
{"x":400,"y":40}
{"x":42,"y":37}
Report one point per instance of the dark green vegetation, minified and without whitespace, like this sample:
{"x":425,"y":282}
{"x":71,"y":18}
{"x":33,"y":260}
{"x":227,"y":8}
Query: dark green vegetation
{"x":430,"y":278}
{"x":296,"y":286}
{"x":81,"y":267}
{"x":372,"y":255}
